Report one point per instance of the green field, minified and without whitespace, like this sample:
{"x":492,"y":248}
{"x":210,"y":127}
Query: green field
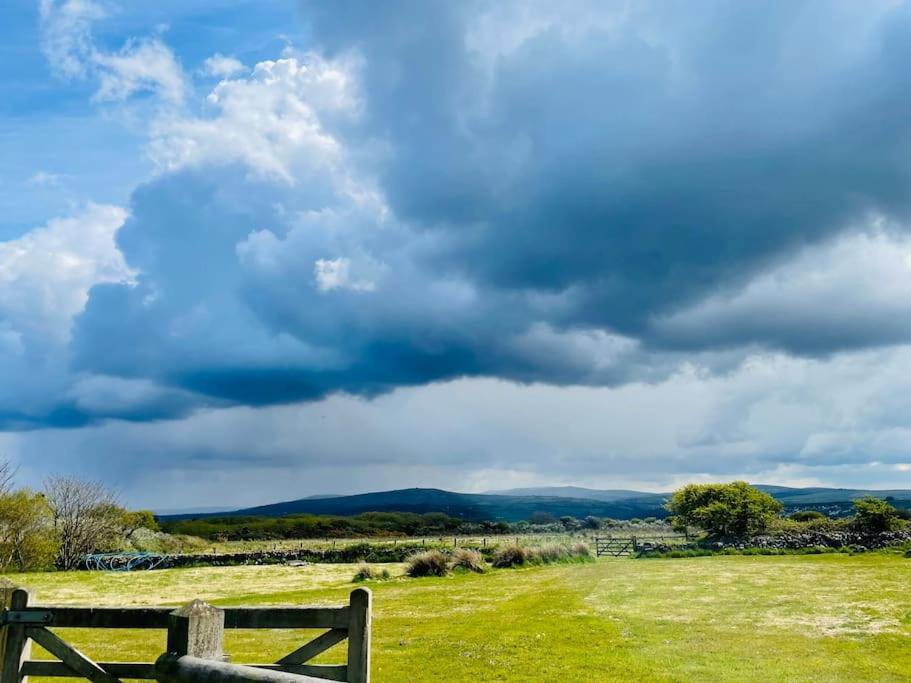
{"x":791,"y":618}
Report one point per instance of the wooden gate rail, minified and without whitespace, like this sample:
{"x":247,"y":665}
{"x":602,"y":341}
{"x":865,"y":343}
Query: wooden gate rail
{"x":194,"y":630}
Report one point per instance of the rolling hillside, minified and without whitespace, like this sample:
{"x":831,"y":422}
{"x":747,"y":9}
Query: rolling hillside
{"x":517,"y":504}
{"x":469,"y":506}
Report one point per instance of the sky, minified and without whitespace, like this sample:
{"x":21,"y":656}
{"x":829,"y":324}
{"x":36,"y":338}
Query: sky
{"x":253,"y":251}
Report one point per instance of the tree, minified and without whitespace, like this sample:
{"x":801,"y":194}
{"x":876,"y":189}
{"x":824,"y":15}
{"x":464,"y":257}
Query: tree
{"x":85,"y":518}
{"x":728,"y":510}
{"x":874,"y":515}
{"x":7,"y":474}
{"x":541,"y":517}
{"x":592,"y":522}
{"x":569,"y":522}
{"x":27,"y":539}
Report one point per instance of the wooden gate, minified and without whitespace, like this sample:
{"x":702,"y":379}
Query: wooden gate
{"x":194,"y":631}
{"x":615,"y":547}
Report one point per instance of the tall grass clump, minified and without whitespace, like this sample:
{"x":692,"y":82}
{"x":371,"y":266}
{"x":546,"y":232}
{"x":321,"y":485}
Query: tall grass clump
{"x":468,"y":560}
{"x":510,"y":556}
{"x":427,"y":563}
{"x":367,"y":573}
{"x":548,"y":553}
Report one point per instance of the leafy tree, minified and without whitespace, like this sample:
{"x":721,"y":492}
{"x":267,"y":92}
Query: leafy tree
{"x":541,"y":518}
{"x":729,"y":510}
{"x":569,"y":522}
{"x":591,"y":522}
{"x":874,"y":515}
{"x":27,"y":539}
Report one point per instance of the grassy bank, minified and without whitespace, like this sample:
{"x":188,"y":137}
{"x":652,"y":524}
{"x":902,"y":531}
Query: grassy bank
{"x":794,"y":618}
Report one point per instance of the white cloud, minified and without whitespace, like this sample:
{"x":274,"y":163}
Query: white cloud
{"x":270,"y":121}
{"x":220,"y":66}
{"x":45,"y":179}
{"x":66,"y":38}
{"x":45,"y":275}
{"x":145,"y":65}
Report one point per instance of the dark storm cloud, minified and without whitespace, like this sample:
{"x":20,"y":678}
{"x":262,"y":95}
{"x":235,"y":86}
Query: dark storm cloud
{"x":646,"y":163}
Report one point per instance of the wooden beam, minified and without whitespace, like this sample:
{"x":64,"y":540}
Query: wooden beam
{"x":106,"y":617}
{"x":316,"y":646}
{"x":359,"y":636}
{"x":286,"y":617}
{"x":16,"y":645}
{"x":51,"y":669}
{"x":69,"y":655}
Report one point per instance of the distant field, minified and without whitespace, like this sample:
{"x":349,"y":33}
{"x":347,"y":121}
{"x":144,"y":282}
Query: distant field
{"x":445,"y":541}
{"x":792,"y":618}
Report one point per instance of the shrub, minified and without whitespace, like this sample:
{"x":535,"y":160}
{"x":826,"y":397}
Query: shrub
{"x":725,"y":510}
{"x":469,"y":560}
{"x":427,"y":563}
{"x":367,"y":573}
{"x":547,"y":553}
{"x":510,"y":556}
{"x":874,"y":515}
{"x":582,"y":550}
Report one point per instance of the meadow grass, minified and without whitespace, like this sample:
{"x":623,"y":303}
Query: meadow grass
{"x":790,"y":618}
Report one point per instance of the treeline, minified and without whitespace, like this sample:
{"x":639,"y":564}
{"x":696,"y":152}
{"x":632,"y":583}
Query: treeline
{"x":62,"y":523}
{"x":365,"y":525}
{"x":379,"y":525}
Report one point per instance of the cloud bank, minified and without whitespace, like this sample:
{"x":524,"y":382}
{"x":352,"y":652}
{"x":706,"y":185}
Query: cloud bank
{"x":610,"y":196}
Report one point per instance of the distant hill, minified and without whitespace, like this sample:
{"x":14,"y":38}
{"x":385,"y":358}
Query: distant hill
{"x":468,"y":506}
{"x":607,"y":495}
{"x":517,"y":504}
{"x":786,"y":494}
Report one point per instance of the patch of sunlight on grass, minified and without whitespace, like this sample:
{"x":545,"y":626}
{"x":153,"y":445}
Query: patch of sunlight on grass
{"x":790,"y":618}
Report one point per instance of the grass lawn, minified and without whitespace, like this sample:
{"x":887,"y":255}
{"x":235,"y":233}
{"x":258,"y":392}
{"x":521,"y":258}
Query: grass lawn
{"x":792,"y":618}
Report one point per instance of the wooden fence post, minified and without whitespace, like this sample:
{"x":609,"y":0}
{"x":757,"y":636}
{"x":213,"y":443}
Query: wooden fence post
{"x":16,"y":645}
{"x":198,"y":630}
{"x":359,"y":636}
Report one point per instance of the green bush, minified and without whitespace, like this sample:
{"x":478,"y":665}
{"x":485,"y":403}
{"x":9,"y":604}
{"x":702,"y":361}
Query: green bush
{"x":427,"y":563}
{"x":724,"y":510}
{"x":874,"y":515}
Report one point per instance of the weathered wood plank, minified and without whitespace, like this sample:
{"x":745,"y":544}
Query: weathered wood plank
{"x":286,"y":617}
{"x":359,"y":636}
{"x":157,"y":617}
{"x":316,"y":646}
{"x":16,"y":648}
{"x":197,"y":629}
{"x":106,"y":617}
{"x":73,"y":658}
{"x":52,"y":669}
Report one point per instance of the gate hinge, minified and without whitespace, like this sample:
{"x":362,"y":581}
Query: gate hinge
{"x":28,"y":616}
